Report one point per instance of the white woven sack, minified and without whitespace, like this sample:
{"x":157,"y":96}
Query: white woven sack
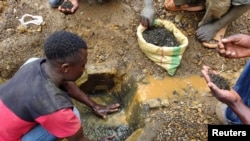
{"x":167,"y":57}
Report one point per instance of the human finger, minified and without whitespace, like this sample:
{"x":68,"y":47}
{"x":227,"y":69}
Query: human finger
{"x":232,"y":39}
{"x":206,"y":68}
{"x":144,"y":22}
{"x":102,"y":114}
{"x":220,"y":45}
{"x":221,"y":52}
{"x":206,"y":71}
{"x":230,"y":54}
{"x":62,"y":9}
{"x":113,"y":106}
{"x":108,"y":111}
{"x":73,"y":9}
{"x":205,"y":75}
{"x":108,"y":138}
{"x":213,"y":88}
{"x":111,"y":136}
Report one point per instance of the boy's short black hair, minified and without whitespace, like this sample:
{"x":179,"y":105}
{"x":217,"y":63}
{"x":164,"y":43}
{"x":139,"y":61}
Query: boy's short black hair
{"x":62,"y":44}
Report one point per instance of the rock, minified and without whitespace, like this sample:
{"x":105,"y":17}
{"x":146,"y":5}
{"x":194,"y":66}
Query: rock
{"x":22,"y":29}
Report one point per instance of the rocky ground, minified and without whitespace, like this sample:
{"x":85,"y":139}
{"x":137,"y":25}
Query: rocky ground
{"x":110,"y":32}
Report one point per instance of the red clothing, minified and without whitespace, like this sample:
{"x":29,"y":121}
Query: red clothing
{"x":62,"y":123}
{"x":30,"y":98}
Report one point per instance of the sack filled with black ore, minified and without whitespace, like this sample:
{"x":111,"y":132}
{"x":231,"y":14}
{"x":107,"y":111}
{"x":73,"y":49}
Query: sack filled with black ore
{"x":163,"y":43}
{"x":160,"y":36}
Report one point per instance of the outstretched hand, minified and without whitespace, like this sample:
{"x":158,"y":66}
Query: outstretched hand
{"x":71,"y":10}
{"x":102,"y":110}
{"x":225,"y":96}
{"x":235,"y":46}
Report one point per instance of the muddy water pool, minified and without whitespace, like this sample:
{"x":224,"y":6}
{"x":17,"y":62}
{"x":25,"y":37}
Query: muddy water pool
{"x":166,"y":87}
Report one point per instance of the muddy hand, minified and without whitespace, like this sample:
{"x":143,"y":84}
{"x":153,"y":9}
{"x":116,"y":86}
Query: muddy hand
{"x":107,"y":138}
{"x":70,"y":7}
{"x":102,"y":111}
{"x":147,"y":13}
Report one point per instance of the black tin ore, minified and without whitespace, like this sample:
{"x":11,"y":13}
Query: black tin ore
{"x":219,"y":81}
{"x":67,"y":5}
{"x":160,"y":36}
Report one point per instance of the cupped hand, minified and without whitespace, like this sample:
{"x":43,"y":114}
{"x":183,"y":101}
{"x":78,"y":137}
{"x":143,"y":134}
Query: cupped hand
{"x":225,"y":96}
{"x":235,"y":46}
{"x":102,"y":110}
{"x":205,"y":72}
{"x":69,"y":11}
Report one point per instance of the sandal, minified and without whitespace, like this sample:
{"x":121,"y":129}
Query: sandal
{"x":214,"y":42}
{"x":170,"y":5}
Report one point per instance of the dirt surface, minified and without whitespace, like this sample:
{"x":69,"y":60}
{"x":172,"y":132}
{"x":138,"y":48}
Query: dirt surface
{"x":110,"y":32}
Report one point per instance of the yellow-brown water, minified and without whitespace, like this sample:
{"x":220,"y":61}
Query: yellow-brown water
{"x":154,"y":88}
{"x":164,"y":88}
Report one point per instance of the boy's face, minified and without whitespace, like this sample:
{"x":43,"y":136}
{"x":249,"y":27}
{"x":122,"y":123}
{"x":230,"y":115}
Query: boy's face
{"x":74,"y":71}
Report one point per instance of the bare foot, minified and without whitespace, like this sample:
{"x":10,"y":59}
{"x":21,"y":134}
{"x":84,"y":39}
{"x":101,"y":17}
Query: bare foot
{"x":213,"y":43}
{"x":206,"y":32}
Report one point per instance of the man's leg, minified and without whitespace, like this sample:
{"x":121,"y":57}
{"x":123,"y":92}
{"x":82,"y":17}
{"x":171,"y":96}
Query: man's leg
{"x":77,"y":113}
{"x":242,"y":87}
{"x":38,"y":133}
{"x":208,"y":31}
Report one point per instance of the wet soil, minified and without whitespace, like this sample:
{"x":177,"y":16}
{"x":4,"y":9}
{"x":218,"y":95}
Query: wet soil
{"x":110,"y":32}
{"x":160,"y":36}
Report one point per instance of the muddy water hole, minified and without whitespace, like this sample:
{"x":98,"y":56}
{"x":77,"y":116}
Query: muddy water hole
{"x":154,"y":105}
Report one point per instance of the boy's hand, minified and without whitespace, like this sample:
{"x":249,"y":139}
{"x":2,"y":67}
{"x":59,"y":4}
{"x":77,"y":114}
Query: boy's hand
{"x":71,"y":10}
{"x":102,"y":111}
{"x":225,"y":96}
